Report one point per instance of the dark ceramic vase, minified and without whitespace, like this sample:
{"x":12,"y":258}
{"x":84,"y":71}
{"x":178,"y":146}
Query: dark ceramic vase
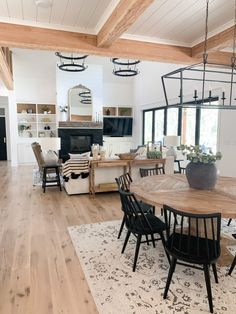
{"x":201,"y":176}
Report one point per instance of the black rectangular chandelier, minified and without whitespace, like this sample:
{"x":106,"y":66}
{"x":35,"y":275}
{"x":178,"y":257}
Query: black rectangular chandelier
{"x":203,"y":85}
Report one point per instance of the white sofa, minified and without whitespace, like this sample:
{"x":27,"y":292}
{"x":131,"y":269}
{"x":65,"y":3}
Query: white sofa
{"x":108,"y":175}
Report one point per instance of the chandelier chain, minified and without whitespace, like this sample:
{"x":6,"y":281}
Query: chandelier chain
{"x":206,"y":32}
{"x":234,"y":38}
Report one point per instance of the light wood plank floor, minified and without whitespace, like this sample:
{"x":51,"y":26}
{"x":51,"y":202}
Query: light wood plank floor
{"x":39,"y":270}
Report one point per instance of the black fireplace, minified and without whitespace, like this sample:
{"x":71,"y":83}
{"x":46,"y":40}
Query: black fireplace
{"x":78,"y":140}
{"x":80,"y":143}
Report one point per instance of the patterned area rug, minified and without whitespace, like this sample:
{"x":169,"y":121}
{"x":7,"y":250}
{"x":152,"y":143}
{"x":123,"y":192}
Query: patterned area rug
{"x":116,"y":289}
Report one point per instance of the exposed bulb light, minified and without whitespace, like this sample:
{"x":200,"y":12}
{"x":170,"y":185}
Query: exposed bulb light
{"x":43,"y":3}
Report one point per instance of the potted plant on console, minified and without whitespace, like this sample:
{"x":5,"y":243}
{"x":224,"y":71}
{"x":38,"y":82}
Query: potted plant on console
{"x":201,"y":171}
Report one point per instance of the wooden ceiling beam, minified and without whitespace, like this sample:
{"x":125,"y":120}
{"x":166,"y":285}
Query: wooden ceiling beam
{"x":220,"y":57}
{"x":19,"y":36}
{"x":5,"y":69}
{"x":123,"y":16}
{"x":214,"y":43}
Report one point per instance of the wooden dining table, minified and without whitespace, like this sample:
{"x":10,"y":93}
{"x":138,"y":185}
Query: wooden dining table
{"x":174,"y":190}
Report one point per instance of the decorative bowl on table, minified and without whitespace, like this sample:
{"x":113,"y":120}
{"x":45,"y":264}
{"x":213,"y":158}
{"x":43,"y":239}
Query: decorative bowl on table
{"x":127,"y":156}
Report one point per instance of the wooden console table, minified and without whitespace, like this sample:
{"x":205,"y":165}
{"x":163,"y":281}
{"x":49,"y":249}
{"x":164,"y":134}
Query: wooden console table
{"x":107,"y":163}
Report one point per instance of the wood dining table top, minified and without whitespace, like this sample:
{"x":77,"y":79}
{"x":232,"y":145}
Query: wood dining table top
{"x":174,"y":190}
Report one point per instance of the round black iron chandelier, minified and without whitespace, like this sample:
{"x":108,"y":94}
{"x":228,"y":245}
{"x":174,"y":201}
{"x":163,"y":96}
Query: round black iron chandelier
{"x":71,"y":62}
{"x":125,"y":68}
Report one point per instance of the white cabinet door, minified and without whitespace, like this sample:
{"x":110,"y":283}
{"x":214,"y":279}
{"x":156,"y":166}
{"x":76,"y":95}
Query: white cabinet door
{"x":25,"y":153}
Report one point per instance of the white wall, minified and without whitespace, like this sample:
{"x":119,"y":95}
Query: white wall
{"x":118,"y":91}
{"x":34,"y":81}
{"x":34,"y":76}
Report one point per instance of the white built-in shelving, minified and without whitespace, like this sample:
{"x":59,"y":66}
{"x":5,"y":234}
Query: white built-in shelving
{"x":36,"y":120}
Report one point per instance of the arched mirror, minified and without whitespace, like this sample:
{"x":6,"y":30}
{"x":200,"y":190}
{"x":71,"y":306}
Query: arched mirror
{"x":80,"y":103}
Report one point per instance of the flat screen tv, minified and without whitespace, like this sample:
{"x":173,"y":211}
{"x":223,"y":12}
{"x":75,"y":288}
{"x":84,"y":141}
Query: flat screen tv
{"x":117,"y":126}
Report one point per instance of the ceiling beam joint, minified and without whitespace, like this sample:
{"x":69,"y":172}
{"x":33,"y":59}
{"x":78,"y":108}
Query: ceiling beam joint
{"x":123,"y":16}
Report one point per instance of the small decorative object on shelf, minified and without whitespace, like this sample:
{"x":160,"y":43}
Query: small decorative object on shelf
{"x":201,"y":172}
{"x":41,"y":134}
{"x":108,"y":112}
{"x":46,"y":119}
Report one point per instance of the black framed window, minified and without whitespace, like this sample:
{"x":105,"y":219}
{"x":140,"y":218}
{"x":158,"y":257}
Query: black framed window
{"x":195,"y":126}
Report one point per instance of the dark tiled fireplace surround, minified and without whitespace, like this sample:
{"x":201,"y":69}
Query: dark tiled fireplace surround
{"x":78,"y":139}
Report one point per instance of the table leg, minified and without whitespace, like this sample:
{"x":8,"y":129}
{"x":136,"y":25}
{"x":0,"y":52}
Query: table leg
{"x":91,"y":181}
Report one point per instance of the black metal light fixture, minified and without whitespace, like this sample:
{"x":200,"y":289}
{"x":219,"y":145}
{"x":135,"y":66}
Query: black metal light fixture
{"x":125,"y":68}
{"x":71,"y":62}
{"x":205,"y":84}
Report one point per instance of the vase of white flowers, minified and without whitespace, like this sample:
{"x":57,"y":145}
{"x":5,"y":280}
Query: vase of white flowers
{"x":201,"y":172}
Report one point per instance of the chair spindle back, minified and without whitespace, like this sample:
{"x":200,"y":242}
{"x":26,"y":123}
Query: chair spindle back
{"x":194,"y":236}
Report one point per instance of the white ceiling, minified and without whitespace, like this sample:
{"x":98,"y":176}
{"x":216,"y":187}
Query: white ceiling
{"x":74,"y":15}
{"x":170,"y":21}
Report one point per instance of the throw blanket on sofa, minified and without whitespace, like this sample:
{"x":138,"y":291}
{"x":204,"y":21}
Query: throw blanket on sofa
{"x":75,"y":166}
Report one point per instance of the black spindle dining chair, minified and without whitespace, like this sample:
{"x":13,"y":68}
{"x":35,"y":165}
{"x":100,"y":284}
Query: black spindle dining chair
{"x":144,"y":172}
{"x":123,"y":183}
{"x":194,"y":240}
{"x":140,"y":224}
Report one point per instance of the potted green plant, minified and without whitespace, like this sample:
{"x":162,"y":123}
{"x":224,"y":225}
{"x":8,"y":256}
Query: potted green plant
{"x":201,"y":172}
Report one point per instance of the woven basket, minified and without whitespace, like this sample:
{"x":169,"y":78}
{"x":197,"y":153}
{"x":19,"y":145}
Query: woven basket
{"x":127,"y":156}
